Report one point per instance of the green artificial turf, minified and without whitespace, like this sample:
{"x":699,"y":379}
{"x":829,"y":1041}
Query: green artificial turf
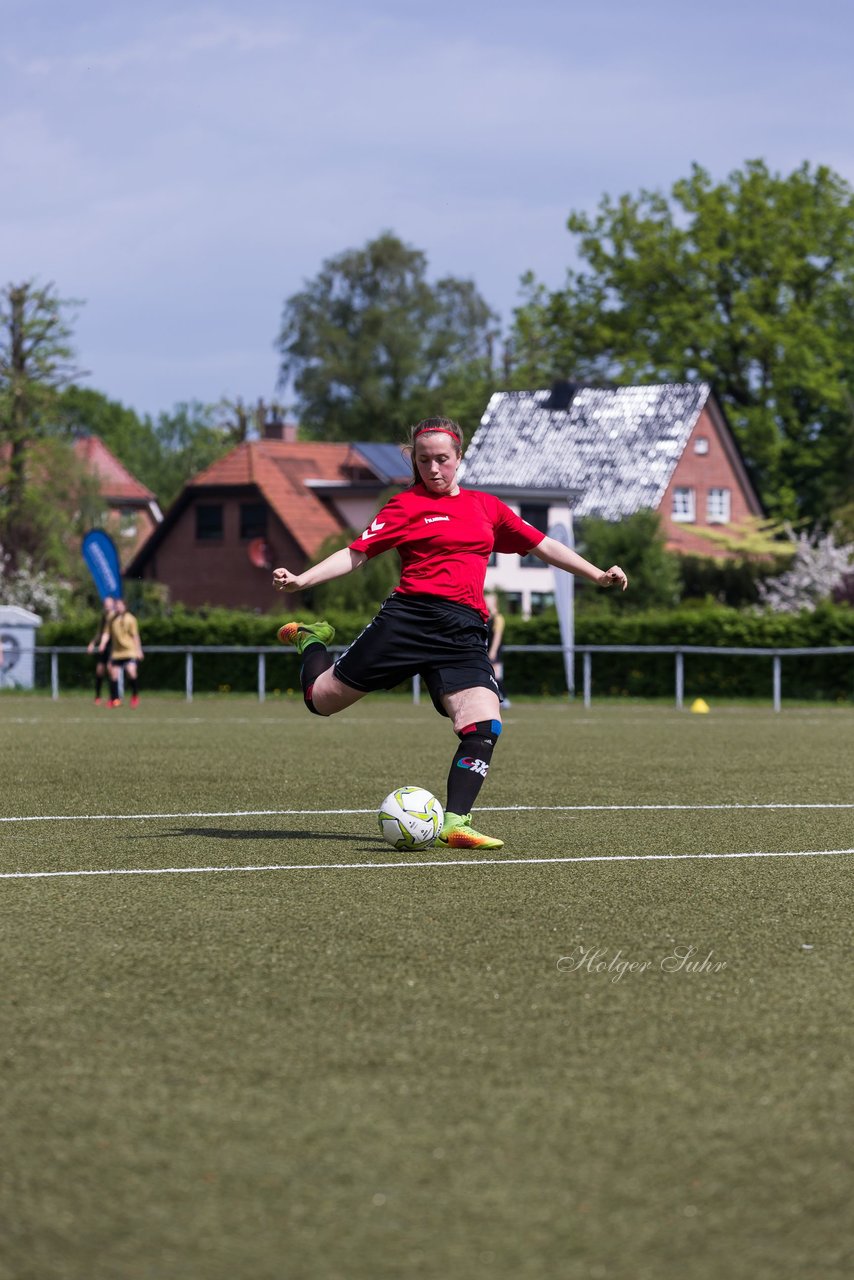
{"x":365,"y":1072}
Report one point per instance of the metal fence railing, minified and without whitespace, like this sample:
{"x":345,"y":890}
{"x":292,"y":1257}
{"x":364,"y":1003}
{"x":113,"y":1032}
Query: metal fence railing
{"x":586,"y":652}
{"x":679,"y":652}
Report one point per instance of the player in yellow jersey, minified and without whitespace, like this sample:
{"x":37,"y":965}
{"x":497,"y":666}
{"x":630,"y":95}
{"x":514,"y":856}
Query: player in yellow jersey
{"x":125,"y":653}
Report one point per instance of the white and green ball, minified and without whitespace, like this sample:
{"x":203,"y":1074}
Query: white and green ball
{"x":410,"y":818}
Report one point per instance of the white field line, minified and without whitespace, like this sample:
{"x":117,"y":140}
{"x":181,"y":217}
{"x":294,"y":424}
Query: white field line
{"x":506,"y":808}
{"x":422,"y":866}
{"x":581,"y":717}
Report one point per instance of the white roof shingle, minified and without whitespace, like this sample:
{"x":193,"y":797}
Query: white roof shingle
{"x":615,"y":448}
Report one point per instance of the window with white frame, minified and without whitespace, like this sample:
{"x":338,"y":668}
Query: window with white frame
{"x":701,"y":444}
{"x":683,"y":504}
{"x":536,"y":514}
{"x":717,"y":506}
{"x":540,"y":601}
{"x":127,"y":522}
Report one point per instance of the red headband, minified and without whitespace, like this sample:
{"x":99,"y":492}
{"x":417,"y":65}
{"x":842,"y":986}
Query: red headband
{"x":446,"y":430}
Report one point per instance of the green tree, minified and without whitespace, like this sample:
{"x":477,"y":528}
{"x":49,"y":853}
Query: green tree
{"x":747,"y":284}
{"x":371,"y":346}
{"x":163,"y":453}
{"x":190,"y":438}
{"x":132,"y":439}
{"x":36,"y":362}
{"x":637,"y":544}
{"x":360,"y":592}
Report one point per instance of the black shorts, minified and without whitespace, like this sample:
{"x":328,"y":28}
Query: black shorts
{"x":122,"y":662}
{"x":443,"y":642}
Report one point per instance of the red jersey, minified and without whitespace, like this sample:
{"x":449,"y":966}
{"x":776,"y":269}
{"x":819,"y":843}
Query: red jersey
{"x":444,"y":542}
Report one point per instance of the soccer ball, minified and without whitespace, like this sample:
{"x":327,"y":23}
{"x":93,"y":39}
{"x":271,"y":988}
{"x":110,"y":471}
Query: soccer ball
{"x":410,"y":818}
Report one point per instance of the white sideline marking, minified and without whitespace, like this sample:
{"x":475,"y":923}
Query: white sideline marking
{"x":399,"y":866}
{"x":505,"y":808}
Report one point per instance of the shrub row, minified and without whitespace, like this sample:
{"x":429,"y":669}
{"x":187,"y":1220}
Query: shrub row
{"x":643,"y":675}
{"x":653,"y":675}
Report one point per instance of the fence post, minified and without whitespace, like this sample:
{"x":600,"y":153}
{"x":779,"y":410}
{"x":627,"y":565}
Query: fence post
{"x":262,"y":676}
{"x":777,"y":682}
{"x":416,"y":688}
{"x":588,"y":678}
{"x":54,"y":676}
{"x":680,"y":680}
{"x":188,"y":675}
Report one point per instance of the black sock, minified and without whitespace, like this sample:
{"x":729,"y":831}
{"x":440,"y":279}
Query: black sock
{"x":316,"y":659}
{"x":133,"y":681}
{"x":114,"y":690}
{"x":471,"y":764}
{"x":99,"y":684}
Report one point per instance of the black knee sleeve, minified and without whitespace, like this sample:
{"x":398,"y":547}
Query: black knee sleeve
{"x":487,"y":731}
{"x":309,"y":701}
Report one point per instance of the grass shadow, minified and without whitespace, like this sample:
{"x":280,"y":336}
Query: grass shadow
{"x":225,"y":833}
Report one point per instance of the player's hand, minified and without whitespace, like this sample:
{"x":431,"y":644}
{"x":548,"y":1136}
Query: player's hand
{"x":614,"y":577}
{"x":284,"y":580}
{"x":90,"y":648}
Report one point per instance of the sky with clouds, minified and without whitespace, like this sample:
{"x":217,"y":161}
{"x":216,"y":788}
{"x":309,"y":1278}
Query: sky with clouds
{"x":185,"y":167}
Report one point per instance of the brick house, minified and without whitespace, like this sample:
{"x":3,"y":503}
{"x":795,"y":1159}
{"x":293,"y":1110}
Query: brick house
{"x":267,"y":502}
{"x":130,"y":511}
{"x":608,"y":452}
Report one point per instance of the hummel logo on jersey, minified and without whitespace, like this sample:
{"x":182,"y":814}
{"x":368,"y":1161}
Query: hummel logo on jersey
{"x":433,"y":519}
{"x":374,"y":527}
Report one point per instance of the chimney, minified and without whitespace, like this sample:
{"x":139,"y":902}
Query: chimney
{"x":275,"y":427}
{"x":561,"y":395}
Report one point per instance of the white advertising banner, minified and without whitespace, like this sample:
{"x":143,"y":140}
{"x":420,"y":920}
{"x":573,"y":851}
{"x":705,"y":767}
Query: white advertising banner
{"x":564,"y":586}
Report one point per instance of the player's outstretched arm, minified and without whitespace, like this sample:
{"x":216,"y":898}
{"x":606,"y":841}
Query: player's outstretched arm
{"x":553,"y":552}
{"x":337,"y":565}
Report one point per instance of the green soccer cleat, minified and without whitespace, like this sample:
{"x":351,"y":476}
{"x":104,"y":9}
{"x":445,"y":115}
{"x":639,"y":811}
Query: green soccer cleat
{"x":458,"y":833}
{"x":302,"y":634}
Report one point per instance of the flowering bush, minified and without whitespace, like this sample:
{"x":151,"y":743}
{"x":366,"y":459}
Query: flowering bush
{"x":31,"y":588}
{"x":818,"y":568}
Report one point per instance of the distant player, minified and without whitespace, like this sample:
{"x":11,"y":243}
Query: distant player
{"x":101,"y":650}
{"x":495,"y":644}
{"x":434,"y":623}
{"x":125,"y":653}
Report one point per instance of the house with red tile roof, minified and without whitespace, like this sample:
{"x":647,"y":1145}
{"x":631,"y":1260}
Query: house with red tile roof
{"x":270,"y":501}
{"x":130,"y":510}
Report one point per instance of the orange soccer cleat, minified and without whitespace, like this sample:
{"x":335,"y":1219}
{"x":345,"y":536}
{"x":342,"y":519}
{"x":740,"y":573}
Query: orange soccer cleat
{"x":458,"y":833}
{"x":302,"y":634}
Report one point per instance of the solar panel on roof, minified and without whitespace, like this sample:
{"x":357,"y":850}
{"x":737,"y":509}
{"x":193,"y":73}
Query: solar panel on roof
{"x":385,"y":460}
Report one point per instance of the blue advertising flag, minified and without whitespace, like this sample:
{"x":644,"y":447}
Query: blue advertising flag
{"x":102,"y":561}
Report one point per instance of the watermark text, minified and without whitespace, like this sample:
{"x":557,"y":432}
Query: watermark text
{"x":615,"y":965}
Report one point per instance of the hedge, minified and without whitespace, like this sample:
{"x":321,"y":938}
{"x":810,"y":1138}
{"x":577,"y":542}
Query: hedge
{"x":652,"y":675}
{"x":533,"y":673}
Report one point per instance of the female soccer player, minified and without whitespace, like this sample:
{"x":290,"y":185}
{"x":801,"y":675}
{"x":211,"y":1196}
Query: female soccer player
{"x":125,"y":653}
{"x":101,"y":649}
{"x":434,"y":622}
{"x":495,"y":643}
